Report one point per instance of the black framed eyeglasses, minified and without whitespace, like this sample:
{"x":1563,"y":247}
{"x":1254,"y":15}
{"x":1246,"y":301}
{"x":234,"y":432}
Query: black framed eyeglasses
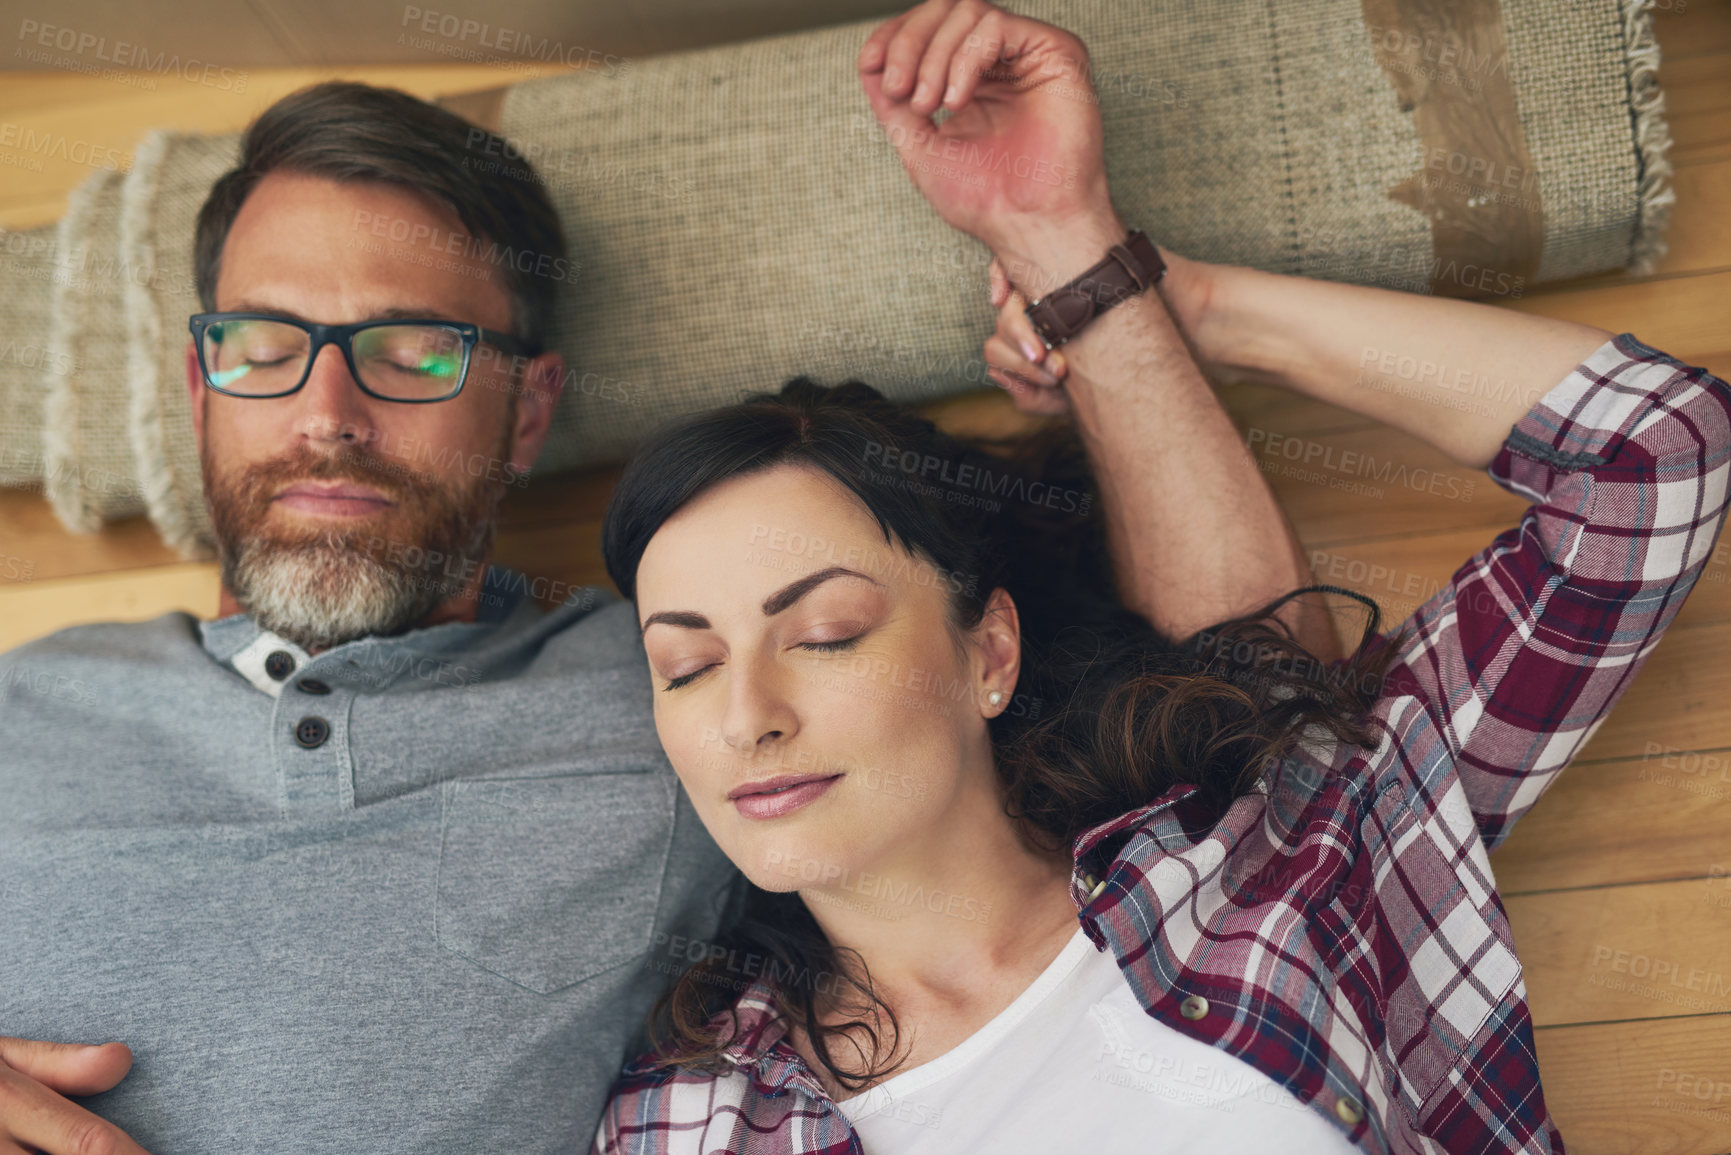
{"x":416,"y":361}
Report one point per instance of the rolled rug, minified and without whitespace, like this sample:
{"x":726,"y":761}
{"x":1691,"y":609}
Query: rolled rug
{"x":736,"y":216}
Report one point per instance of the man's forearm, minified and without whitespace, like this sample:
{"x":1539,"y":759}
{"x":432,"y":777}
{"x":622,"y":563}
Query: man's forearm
{"x":1195,"y":533}
{"x":1455,"y":374}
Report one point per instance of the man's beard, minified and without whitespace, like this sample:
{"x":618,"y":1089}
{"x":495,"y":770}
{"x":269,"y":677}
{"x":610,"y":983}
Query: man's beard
{"x":321,"y":586}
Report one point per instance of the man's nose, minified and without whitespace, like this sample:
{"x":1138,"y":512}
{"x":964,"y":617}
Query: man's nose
{"x":333,"y":408}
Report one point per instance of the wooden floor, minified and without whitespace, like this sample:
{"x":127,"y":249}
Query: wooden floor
{"x":1619,"y":882}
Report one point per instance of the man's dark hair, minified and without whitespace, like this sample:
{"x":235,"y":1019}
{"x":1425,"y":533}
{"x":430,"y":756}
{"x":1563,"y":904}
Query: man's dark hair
{"x":355,"y":132}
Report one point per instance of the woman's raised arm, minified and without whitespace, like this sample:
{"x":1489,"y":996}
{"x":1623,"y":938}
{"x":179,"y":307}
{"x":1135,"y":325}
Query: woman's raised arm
{"x":1455,"y":374}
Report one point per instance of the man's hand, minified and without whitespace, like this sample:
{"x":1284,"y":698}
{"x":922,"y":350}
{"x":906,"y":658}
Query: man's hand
{"x":34,"y":1114}
{"x":1019,"y":158}
{"x":1034,"y":376}
{"x":1196,"y":536}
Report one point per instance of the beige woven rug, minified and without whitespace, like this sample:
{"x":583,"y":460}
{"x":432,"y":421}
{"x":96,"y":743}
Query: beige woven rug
{"x":738,"y":218}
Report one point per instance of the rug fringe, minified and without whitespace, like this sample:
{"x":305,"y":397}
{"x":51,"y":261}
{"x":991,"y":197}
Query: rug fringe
{"x":62,"y":444}
{"x":156,"y":480}
{"x":1655,"y":195}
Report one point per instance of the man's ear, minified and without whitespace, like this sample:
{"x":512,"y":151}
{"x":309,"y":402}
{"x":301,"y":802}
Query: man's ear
{"x":195,"y":392}
{"x":999,"y":641}
{"x":543,"y":382}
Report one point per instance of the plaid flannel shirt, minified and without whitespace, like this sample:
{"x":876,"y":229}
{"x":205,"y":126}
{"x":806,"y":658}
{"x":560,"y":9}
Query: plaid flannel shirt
{"x":1340,"y":929}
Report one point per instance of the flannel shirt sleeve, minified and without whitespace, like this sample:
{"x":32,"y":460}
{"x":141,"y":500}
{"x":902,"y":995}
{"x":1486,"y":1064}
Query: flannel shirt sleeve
{"x":641,"y":1115}
{"x":1524,"y":652}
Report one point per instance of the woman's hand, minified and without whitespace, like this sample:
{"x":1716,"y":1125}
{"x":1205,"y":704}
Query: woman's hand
{"x":1018,"y":360}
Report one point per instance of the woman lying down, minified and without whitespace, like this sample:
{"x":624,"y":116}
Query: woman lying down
{"x":1038,"y":864}
{"x":1027,"y":876}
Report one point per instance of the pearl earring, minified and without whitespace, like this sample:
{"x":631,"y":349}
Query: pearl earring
{"x":995,"y":697}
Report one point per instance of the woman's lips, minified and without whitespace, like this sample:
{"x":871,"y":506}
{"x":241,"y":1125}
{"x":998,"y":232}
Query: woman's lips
{"x":774,"y":797}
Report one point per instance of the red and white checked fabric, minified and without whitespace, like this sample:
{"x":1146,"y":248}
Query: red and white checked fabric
{"x":1342,"y":922}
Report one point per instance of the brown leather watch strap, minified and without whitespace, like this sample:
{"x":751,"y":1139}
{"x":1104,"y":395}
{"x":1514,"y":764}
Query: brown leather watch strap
{"x":1127,"y":269}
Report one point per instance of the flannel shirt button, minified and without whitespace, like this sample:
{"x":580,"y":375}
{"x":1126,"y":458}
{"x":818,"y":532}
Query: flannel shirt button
{"x":1193,"y":1007}
{"x":1347,"y":1108}
{"x":1095,"y":886}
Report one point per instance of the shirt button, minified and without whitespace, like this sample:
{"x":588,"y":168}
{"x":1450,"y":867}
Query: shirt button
{"x":279,"y":665}
{"x":1347,"y":1108}
{"x":312,"y":686}
{"x":312,"y":731}
{"x":1193,"y":1007}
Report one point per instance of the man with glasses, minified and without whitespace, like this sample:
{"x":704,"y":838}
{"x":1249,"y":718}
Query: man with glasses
{"x":382,"y":858}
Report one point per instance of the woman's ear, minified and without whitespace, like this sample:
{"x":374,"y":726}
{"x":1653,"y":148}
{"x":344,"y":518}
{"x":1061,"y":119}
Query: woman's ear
{"x":998,"y":641}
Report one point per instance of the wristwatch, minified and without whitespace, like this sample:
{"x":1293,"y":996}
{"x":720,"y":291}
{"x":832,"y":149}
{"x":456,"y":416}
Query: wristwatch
{"x":1127,"y":269}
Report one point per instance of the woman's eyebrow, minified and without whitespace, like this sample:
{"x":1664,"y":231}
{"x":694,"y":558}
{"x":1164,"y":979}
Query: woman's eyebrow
{"x":686,"y":618}
{"x":788,"y":594}
{"x":778,"y":601}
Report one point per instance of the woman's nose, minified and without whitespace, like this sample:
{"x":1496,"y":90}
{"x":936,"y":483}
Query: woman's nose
{"x":758,"y":714}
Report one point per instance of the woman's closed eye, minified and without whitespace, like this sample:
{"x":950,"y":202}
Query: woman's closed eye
{"x":831,"y":647}
{"x":831,"y":637}
{"x":684,"y":679}
{"x":816,"y":645}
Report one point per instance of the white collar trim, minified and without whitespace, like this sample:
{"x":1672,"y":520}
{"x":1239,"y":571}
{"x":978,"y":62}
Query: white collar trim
{"x":250,"y":662}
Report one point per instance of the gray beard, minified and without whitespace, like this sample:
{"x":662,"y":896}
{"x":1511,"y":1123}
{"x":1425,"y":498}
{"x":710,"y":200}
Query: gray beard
{"x":319,"y":594}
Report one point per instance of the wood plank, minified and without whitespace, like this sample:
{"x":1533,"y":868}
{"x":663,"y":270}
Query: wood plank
{"x":40,"y":548}
{"x":1699,"y":235}
{"x":1678,"y":700}
{"x":1687,"y":28}
{"x":1684,"y":316}
{"x":1374,"y":481}
{"x":97,"y":124}
{"x":1649,"y":819}
{"x":1271,"y":407}
{"x":1646,"y":951}
{"x":574,"y":496}
{"x":557,"y":558}
{"x":32,"y":610}
{"x":30,"y":214}
{"x":1698,"y":106}
{"x":1637,"y":1088}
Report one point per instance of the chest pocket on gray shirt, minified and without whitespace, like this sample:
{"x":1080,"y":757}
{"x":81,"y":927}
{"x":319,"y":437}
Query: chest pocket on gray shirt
{"x":550,"y":881}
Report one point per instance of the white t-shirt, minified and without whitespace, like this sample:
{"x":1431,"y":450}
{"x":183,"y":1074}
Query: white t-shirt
{"x":1076,"y":1065}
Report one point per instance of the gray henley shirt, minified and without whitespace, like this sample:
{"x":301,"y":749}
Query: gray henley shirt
{"x":410,"y":894}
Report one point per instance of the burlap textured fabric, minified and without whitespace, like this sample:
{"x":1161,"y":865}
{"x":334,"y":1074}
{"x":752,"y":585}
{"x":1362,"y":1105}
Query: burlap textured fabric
{"x":85,"y":443}
{"x":737,"y":217}
{"x":26,"y":282}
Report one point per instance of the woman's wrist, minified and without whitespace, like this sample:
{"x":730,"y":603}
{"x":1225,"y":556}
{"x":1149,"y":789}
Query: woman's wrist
{"x":1199,"y":297}
{"x":1218,"y":308}
{"x":1188,"y":291}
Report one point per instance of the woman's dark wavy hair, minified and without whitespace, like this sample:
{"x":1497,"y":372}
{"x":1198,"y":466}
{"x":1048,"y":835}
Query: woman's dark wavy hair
{"x":1107,"y":715}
